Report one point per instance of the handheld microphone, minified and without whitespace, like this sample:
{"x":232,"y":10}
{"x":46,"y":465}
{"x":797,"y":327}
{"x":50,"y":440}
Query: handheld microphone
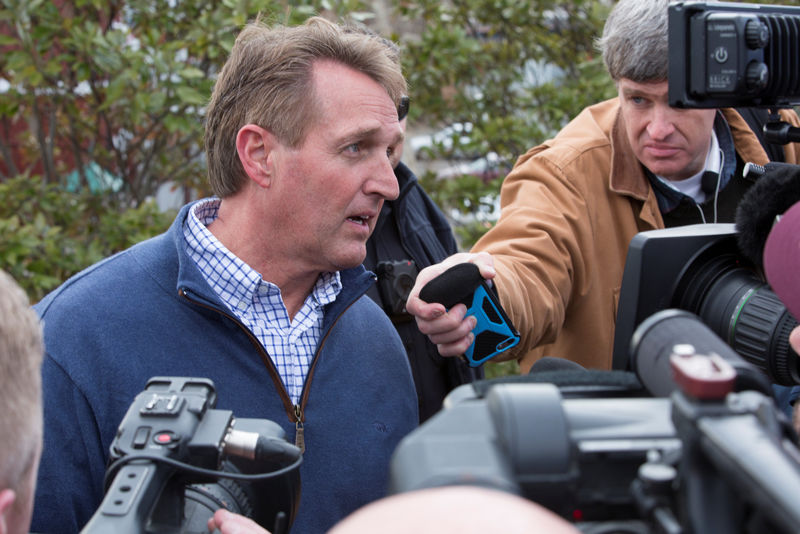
{"x":494,"y":331}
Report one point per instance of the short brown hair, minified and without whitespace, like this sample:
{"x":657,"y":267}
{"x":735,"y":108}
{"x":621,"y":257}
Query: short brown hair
{"x":267,"y":81}
{"x":21,"y":350}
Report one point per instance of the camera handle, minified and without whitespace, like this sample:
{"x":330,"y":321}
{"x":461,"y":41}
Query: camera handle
{"x":779,"y":132}
{"x":735,"y":449}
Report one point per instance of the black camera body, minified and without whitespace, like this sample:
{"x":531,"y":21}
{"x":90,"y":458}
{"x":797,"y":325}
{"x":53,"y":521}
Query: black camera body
{"x":175,"y":460}
{"x":575,"y":456}
{"x":726,"y":54}
{"x":698,"y":268}
{"x":711,"y":457}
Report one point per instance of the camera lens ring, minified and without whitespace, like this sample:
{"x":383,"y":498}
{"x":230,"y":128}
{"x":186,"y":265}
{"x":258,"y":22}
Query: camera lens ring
{"x":727,"y":293}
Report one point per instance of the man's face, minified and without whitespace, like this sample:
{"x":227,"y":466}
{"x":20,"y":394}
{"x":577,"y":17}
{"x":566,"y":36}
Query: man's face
{"x":332,"y":187}
{"x":671,"y":142}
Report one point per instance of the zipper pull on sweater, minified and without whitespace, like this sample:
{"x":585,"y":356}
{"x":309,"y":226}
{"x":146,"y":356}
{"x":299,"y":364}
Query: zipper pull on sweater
{"x":299,"y":438}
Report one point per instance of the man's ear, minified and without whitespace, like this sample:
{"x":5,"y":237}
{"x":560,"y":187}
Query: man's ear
{"x":7,"y":498}
{"x":254,"y":146}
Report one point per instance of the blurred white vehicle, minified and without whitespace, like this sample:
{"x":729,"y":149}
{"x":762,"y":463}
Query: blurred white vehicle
{"x":486,"y":168}
{"x":446,"y":143}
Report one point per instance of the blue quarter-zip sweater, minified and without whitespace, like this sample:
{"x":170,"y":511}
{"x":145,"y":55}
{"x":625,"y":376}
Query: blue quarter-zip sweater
{"x":148,"y":311}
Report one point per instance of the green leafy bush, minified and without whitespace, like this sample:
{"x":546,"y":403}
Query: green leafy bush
{"x":48,"y":234}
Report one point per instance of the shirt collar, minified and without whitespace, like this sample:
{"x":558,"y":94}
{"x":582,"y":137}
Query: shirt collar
{"x":231,"y":278}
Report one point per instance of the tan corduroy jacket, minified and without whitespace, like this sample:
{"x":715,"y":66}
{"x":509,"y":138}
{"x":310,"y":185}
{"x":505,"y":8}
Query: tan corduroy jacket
{"x":570,"y":207}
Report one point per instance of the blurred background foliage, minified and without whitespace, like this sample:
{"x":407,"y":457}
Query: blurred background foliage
{"x":516,"y":71}
{"x":102,"y":105}
{"x":102,"y":102}
{"x":47,"y":234}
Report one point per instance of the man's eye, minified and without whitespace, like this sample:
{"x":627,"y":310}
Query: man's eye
{"x":393,"y":155}
{"x":355,"y":148}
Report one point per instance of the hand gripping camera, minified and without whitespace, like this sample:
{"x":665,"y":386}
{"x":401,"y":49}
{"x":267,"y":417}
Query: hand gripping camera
{"x":175,"y":460}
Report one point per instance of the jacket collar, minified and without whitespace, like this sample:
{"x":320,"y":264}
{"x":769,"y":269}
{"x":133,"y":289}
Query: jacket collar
{"x":405,"y":180}
{"x":628,"y":175}
{"x":744,"y":140}
{"x":190,"y":280}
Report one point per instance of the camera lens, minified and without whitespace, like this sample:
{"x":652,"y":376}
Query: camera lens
{"x":725,"y":292}
{"x":202,"y":500}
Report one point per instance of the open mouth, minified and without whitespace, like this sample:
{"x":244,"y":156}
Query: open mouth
{"x":359,"y":219}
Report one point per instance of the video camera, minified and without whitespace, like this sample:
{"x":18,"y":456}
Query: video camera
{"x":726,"y":54}
{"x":716,"y":456}
{"x":175,"y":460}
{"x":698,"y":268}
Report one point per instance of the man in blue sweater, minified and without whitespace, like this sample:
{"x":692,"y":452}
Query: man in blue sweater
{"x":260,"y":288}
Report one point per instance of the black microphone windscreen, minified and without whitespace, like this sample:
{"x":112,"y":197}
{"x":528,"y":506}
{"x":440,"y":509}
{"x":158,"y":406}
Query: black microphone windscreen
{"x":771,"y":195}
{"x":453,"y":285}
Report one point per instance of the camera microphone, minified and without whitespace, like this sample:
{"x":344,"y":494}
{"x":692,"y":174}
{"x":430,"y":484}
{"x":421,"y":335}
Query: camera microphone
{"x":775,"y":191}
{"x":669,"y":331}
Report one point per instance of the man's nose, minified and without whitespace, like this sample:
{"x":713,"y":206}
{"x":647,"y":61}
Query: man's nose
{"x":383,"y":181}
{"x":661,"y":123}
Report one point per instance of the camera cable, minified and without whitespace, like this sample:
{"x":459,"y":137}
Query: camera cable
{"x":115,"y":466}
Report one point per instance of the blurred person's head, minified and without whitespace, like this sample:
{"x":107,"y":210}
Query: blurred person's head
{"x":782,"y":263}
{"x":268,"y":81}
{"x":781,"y":253}
{"x":672,"y":143}
{"x":453,"y":510}
{"x":21,"y":350}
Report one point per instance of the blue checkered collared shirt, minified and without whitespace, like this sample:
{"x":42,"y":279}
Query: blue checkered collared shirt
{"x":258,"y":303}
